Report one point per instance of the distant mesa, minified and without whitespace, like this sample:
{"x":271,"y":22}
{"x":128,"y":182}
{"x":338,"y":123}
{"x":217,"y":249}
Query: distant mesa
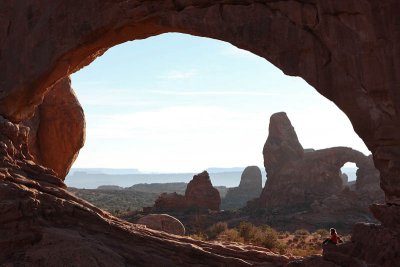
{"x":102,"y":171}
{"x":249,"y":188}
{"x":160,"y":187}
{"x":199,"y":195}
{"x":163,"y":222}
{"x":109,"y":187}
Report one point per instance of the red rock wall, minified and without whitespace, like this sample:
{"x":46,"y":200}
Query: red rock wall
{"x":57,"y":130}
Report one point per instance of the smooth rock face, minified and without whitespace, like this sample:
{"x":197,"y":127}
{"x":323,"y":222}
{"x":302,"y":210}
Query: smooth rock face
{"x":57,"y":130}
{"x":163,"y":222}
{"x":250,"y":187}
{"x":282,"y":147}
{"x":199,"y":195}
{"x":347,"y":50}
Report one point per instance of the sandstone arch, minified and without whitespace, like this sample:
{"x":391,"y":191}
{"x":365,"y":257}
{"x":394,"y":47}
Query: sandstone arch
{"x":347,"y":50}
{"x":337,"y":47}
{"x":304,"y":175}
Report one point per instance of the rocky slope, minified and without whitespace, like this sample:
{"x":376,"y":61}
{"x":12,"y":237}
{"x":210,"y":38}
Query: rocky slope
{"x":41,"y":218}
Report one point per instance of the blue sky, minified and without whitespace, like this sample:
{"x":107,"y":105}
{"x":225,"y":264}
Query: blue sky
{"x":179,"y":103}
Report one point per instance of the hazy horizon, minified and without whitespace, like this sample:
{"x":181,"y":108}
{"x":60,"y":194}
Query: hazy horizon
{"x":91,"y":178}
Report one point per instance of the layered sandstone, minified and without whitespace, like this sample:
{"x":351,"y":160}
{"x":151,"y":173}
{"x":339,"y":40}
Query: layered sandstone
{"x":57,"y":130}
{"x":347,"y":50}
{"x":249,"y":188}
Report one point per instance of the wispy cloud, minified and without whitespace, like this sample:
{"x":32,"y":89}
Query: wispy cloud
{"x":179,"y":74}
{"x":181,"y":119}
{"x":112,"y":97}
{"x":212,"y":93}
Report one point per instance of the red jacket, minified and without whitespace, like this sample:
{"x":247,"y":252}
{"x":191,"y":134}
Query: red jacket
{"x":335,"y":239}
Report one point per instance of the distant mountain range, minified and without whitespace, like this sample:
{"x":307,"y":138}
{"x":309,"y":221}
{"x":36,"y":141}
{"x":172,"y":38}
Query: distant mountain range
{"x":91,"y":178}
{"x":109,"y":171}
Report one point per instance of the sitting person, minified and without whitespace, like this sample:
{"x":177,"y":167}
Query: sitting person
{"x":334,"y":239}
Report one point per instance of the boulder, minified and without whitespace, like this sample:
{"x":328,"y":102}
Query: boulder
{"x":163,"y":222}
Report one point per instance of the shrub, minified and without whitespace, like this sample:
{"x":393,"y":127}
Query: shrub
{"x":265,"y":236}
{"x":302,"y":232}
{"x":216,"y":229}
{"x":285,"y":234}
{"x":247,"y":230}
{"x":323,"y":232}
{"x":231,"y":235}
{"x":199,"y":236}
{"x":270,"y":240}
{"x":282,"y":249}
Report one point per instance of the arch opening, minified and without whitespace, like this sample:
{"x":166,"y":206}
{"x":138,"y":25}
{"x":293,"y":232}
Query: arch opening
{"x":294,"y":43}
{"x":243,"y":115}
{"x":349,"y":174}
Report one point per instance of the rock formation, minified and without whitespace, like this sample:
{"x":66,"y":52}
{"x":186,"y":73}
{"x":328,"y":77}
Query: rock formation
{"x":250,"y":187}
{"x":57,"y":130}
{"x":303,"y":177}
{"x":308,"y":190}
{"x":345,"y":179}
{"x":347,"y":50}
{"x":199,"y":195}
{"x":163,"y":222}
{"x":170,"y":202}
